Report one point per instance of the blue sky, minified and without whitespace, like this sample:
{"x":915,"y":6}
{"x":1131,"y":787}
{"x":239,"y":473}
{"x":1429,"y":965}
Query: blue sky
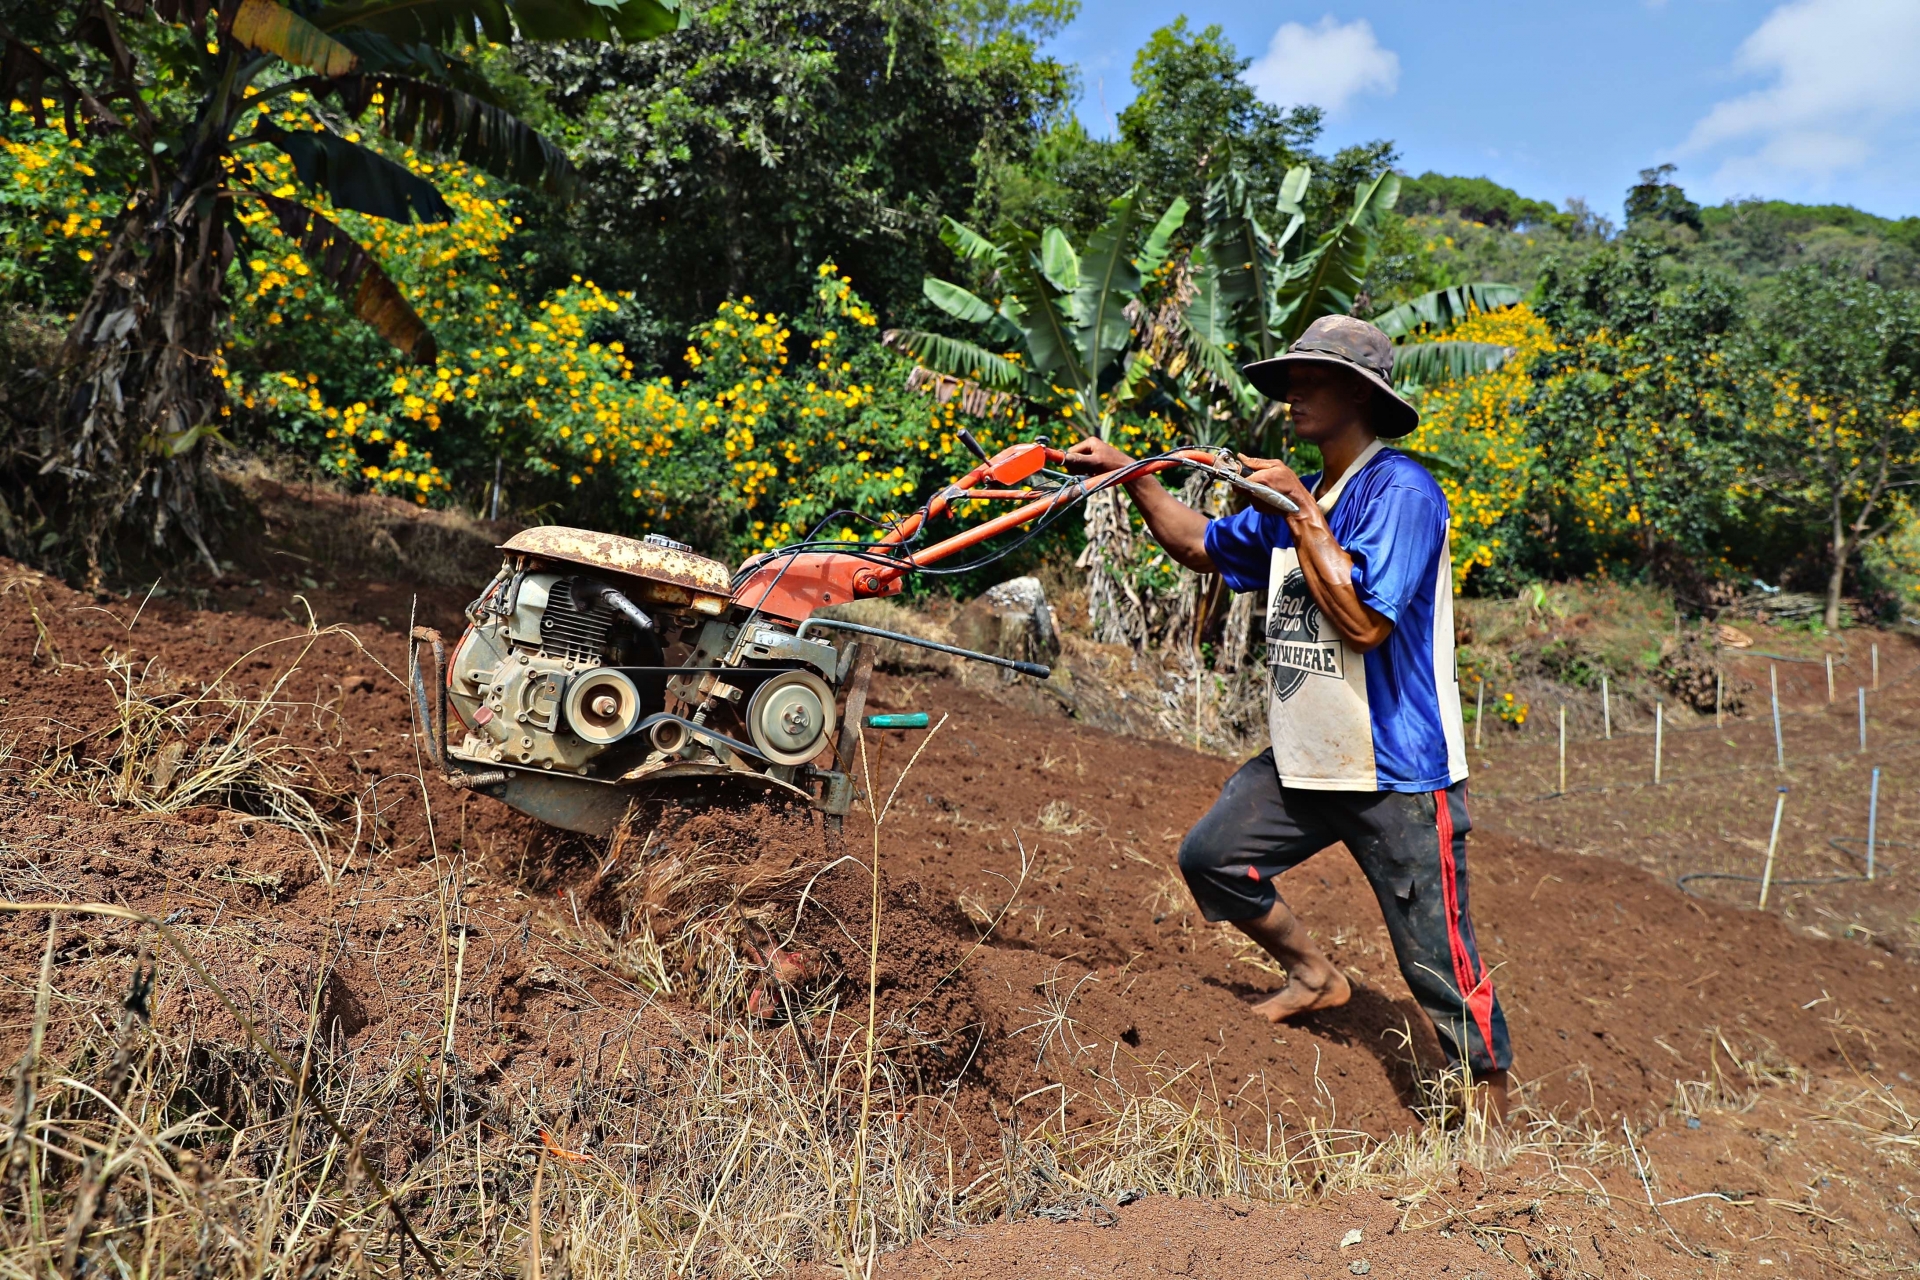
{"x":1809,"y":100}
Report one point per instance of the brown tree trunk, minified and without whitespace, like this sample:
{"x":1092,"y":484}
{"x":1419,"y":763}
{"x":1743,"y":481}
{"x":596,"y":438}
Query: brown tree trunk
{"x":138,"y":381}
{"x":1114,"y":610}
{"x":1836,"y":580}
{"x":1237,"y":643}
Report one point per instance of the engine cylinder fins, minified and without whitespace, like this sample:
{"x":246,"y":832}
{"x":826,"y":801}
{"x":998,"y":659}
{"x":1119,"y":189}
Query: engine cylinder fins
{"x":601,"y":706}
{"x":791,"y":716}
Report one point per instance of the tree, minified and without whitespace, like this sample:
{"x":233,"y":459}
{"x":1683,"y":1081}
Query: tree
{"x":1062,"y":337}
{"x":1656,"y":198}
{"x":769,"y":136}
{"x":1836,"y":368}
{"x":1636,"y":414}
{"x":192,"y":87}
{"x":1192,"y":108}
{"x":1193,"y":114}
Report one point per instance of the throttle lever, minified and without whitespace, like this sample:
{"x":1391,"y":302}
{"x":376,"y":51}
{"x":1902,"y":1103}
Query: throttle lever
{"x":1264,"y":492}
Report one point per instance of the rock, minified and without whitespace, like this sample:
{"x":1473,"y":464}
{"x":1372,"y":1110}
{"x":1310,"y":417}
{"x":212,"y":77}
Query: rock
{"x":1360,"y":1268}
{"x":1012,"y":620}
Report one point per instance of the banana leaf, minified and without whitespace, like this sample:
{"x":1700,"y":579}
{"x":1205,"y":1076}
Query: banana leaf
{"x":1153,"y":253}
{"x":355,"y":177}
{"x":1439,"y":309}
{"x":964,"y":305}
{"x":1058,"y":262}
{"x":449,"y":122}
{"x":1427,"y":364}
{"x":355,"y":276}
{"x":961,"y":304}
{"x":958,"y":358}
{"x":1050,"y":333}
{"x":1326,"y":281}
{"x":1107,"y":279}
{"x":267,"y":27}
{"x":969,"y":244}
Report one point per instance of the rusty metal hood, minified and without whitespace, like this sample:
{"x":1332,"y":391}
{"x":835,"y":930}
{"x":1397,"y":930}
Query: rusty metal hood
{"x":611,"y":553}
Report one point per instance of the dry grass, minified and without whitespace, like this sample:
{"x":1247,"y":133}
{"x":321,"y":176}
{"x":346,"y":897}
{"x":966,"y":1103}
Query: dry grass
{"x":721,"y":1145}
{"x":167,"y":747}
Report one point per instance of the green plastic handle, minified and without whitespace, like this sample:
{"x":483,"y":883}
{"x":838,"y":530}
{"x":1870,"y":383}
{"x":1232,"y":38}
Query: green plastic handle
{"x":910,"y":720}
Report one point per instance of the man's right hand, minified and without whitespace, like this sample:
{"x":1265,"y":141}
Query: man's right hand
{"x":1174,"y":525}
{"x":1095,"y":457}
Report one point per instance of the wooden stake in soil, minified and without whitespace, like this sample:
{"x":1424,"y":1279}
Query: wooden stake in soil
{"x":1779,"y":747}
{"x":1829,"y":679}
{"x":1873,"y":819}
{"x":1773,"y":842}
{"x":1659,"y":737}
{"x":1861,"y":690}
{"x":1606,"y":709}
{"x":1563,"y":748}
{"x":1719,"y":689}
{"x":1479,"y":713}
{"x":1876,"y":668}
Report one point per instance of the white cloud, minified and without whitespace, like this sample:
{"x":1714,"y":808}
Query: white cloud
{"x":1326,"y":65}
{"x":1842,"y":73}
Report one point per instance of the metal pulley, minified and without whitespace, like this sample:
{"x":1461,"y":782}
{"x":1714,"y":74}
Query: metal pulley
{"x":601,"y":706}
{"x":790,"y":716}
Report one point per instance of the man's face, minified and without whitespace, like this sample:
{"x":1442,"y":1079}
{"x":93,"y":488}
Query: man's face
{"x":1325,"y":399}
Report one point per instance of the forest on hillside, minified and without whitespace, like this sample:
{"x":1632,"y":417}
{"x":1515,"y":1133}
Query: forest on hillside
{"x":741,"y":272}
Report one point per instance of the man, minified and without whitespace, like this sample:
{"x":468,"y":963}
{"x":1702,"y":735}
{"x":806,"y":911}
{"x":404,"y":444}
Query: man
{"x":1365,"y":711}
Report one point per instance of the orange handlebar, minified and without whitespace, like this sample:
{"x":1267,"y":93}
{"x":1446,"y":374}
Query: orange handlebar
{"x":794,"y":585}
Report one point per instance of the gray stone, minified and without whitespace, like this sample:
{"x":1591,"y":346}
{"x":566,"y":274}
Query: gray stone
{"x":1011,"y":620}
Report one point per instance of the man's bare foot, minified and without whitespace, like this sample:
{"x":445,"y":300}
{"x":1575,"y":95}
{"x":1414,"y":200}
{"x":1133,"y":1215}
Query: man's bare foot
{"x":1306,"y":990}
{"x":1489,"y":1097}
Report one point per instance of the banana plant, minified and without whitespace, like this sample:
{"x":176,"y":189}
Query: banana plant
{"x":1251,"y":294}
{"x":1060,"y":334}
{"x":139,"y":392}
{"x":1426,"y":364}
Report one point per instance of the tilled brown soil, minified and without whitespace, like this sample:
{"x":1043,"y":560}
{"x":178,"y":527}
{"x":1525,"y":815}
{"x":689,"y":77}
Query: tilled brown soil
{"x":1615,"y":984}
{"x":1038,"y":947}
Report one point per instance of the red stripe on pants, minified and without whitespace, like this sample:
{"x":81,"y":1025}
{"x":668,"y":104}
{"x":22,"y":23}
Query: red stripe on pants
{"x":1477,"y":988}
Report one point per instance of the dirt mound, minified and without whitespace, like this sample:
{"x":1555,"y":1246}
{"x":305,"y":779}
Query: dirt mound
{"x":1034,"y":927}
{"x":1039,"y":957}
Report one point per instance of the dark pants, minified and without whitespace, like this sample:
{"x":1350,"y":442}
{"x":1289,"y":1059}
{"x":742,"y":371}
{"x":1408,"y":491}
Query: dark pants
{"x":1412,"y":847}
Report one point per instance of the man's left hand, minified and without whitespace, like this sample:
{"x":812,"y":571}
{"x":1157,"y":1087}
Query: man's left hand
{"x":1278,"y":476}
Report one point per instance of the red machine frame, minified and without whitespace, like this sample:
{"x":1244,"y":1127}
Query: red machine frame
{"x":791,"y":585}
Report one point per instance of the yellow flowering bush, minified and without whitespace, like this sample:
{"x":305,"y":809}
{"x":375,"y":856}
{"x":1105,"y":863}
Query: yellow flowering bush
{"x":528,"y":384}
{"x":791,"y":426}
{"x":54,"y":213}
{"x":1480,"y":424}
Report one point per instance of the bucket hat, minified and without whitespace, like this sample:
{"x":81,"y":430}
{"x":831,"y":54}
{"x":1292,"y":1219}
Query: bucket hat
{"x":1350,"y":344}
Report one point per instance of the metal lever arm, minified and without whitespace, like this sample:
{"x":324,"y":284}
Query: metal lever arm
{"x":1264,"y":492}
{"x":1034,"y":669}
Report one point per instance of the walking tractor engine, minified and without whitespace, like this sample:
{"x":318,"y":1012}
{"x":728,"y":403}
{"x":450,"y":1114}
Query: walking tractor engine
{"x":599,"y":670}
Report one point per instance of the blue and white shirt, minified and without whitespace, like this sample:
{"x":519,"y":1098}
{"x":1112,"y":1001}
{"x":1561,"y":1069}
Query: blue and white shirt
{"x":1387,"y":720}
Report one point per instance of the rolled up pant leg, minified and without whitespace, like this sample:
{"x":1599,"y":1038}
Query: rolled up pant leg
{"x":1413,"y":850}
{"x":1253,"y":832}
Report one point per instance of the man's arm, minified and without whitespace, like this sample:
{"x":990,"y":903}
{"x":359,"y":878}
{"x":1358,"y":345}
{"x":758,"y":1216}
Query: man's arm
{"x":1182,"y":532}
{"x":1177,"y":527}
{"x":1324,"y":563}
